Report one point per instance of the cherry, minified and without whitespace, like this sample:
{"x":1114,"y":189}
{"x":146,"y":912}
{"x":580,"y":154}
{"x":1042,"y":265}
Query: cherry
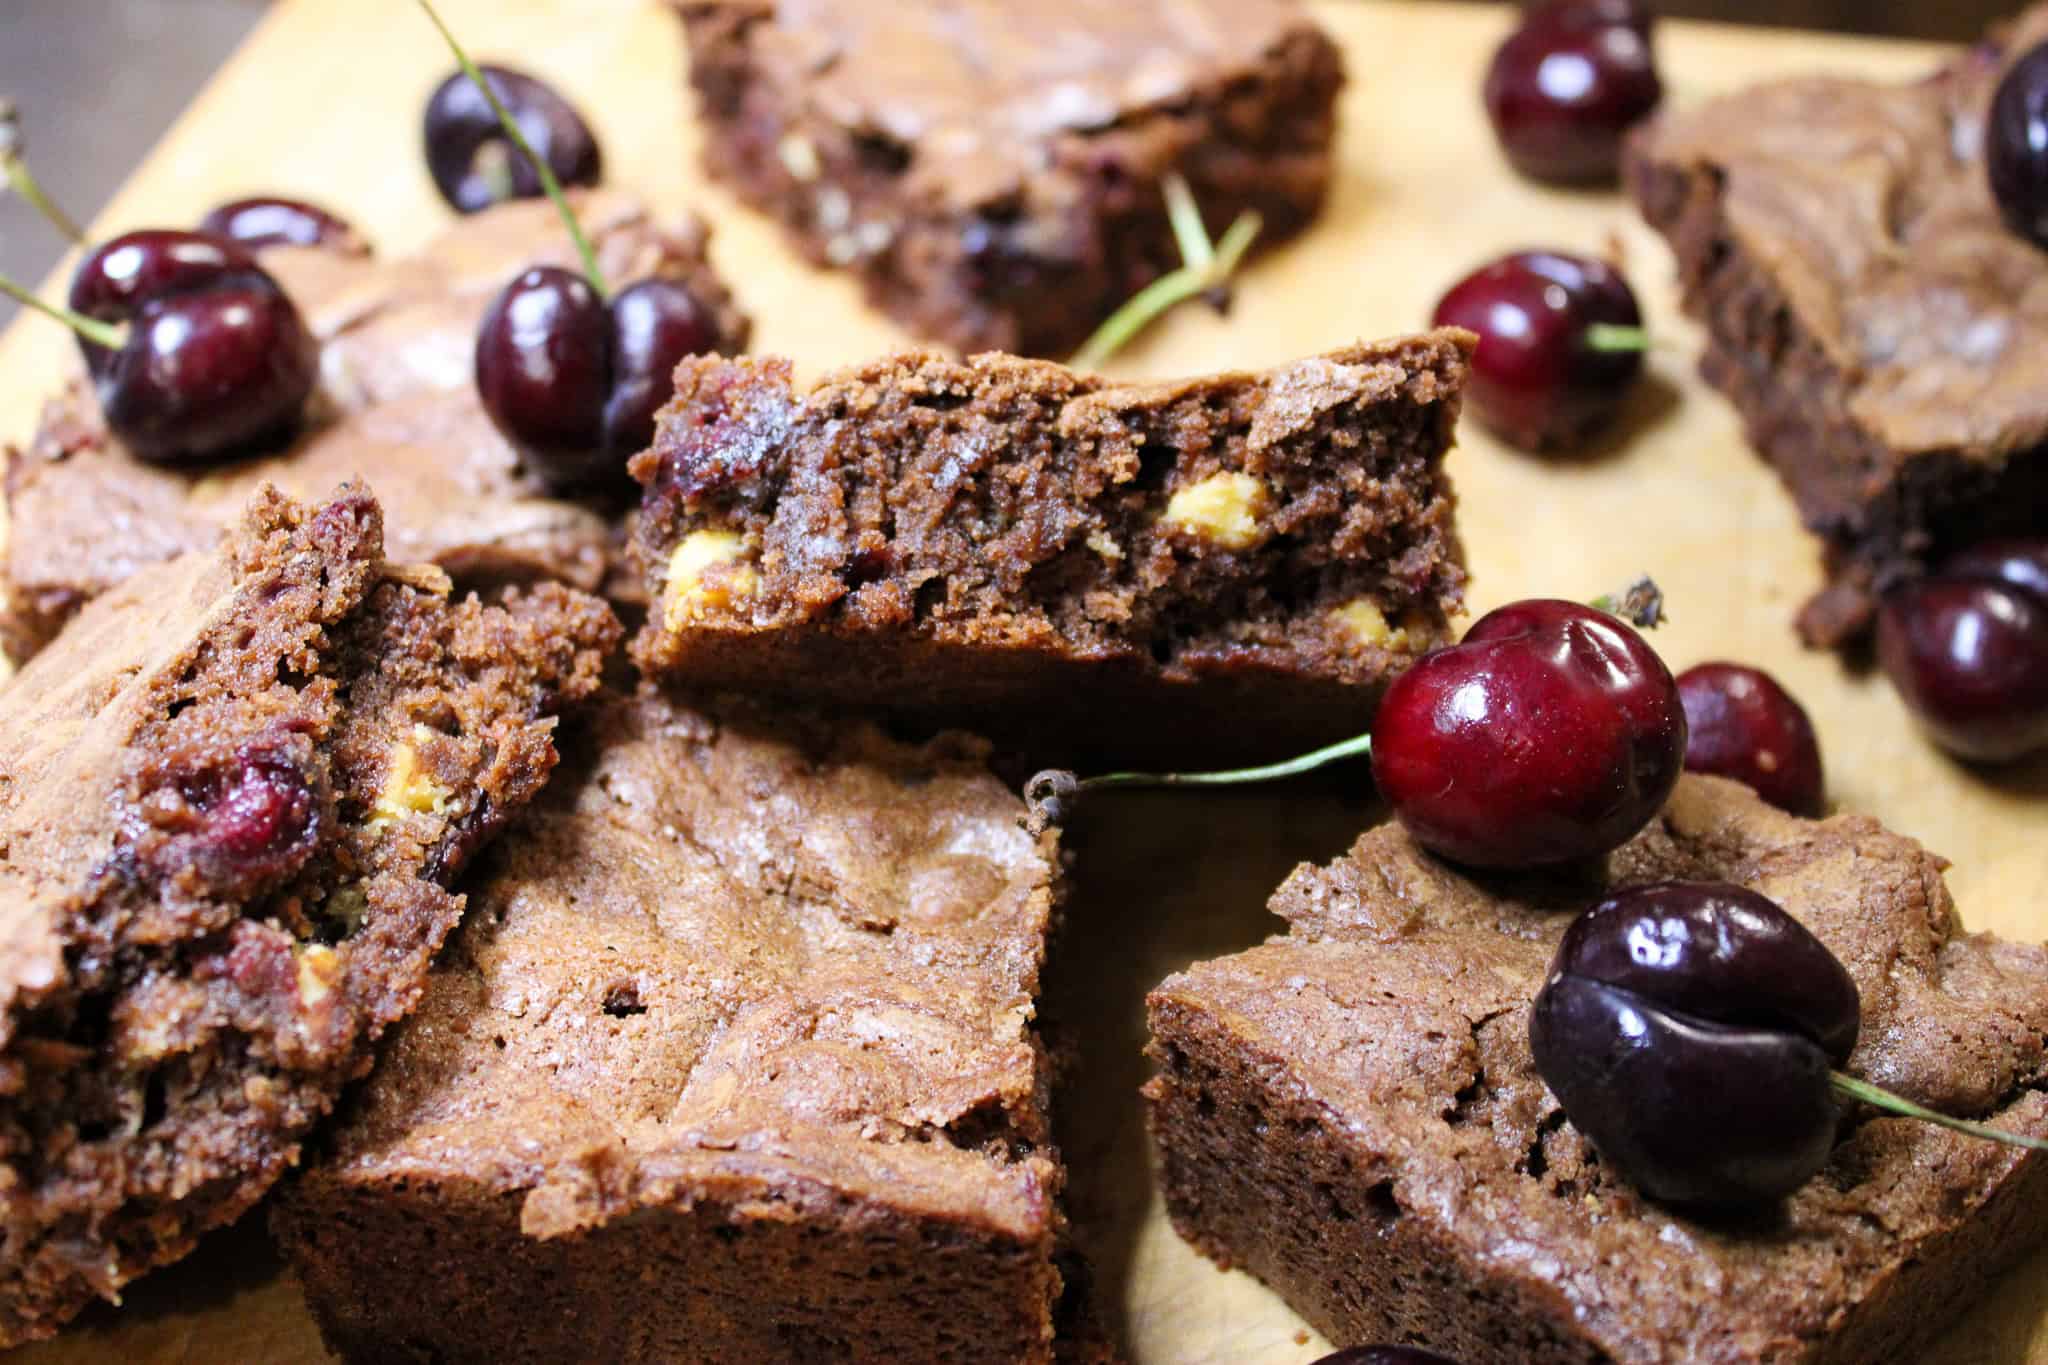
{"x":1967,"y":649}
{"x":246,"y":823}
{"x":2016,"y":146}
{"x":215,"y":359}
{"x":1567,"y":85}
{"x":1384,"y":1355}
{"x":1551,"y":732}
{"x":271,"y":221}
{"x":474,"y":163}
{"x":1560,"y":345}
{"x":1740,"y":723}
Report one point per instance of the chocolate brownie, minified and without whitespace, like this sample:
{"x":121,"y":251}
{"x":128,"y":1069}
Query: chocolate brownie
{"x":397,"y":407}
{"x":1877,"y":326}
{"x":1350,"y":1112}
{"x":992,"y":172}
{"x":732,"y":1060}
{"x":1220,"y":568}
{"x":231,"y":801}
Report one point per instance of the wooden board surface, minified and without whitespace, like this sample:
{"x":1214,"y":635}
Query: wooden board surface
{"x":324,"y":101}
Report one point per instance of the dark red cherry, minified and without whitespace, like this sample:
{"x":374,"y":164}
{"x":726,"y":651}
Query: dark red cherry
{"x":1689,"y":1030}
{"x":270,"y":221}
{"x":1560,"y":345}
{"x":1741,"y":724}
{"x":1384,"y":1355}
{"x":216,"y":359}
{"x":1969,"y":656}
{"x":2020,"y":562}
{"x":1567,"y":85}
{"x":1551,"y":732}
{"x":2016,"y":146}
{"x":475,"y":164}
{"x":576,"y":383}
{"x":246,"y":823}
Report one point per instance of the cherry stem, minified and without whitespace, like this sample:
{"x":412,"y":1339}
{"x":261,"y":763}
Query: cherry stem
{"x":1615,"y":336}
{"x":15,"y":166}
{"x":1641,"y":604}
{"x":1046,"y":791}
{"x":1205,"y":266}
{"x":99,"y":333}
{"x":539,"y":163}
{"x":1879,"y":1098}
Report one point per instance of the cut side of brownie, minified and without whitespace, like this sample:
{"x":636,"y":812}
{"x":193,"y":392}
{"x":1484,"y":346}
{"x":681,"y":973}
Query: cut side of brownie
{"x":232,"y":799}
{"x":1350,"y":1112}
{"x":397,"y":408}
{"x":732,"y":1060}
{"x":1227,"y":567}
{"x":992,"y":172}
{"x":1881,"y":331}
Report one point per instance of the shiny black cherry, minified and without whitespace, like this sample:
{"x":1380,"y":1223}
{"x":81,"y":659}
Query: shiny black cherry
{"x":267,"y":220}
{"x":1742,"y":723}
{"x":475,"y":163}
{"x":216,"y":360}
{"x":1566,"y":86}
{"x":1967,"y":650}
{"x":1690,"y":1030}
{"x":1384,"y":1355}
{"x":2016,"y":146}
{"x":1560,"y":345}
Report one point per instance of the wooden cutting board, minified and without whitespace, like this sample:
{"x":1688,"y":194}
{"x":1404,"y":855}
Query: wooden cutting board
{"x":324,"y":101}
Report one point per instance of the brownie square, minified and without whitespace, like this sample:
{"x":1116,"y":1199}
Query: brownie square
{"x":1350,"y":1112}
{"x":397,"y":406}
{"x":992,"y":172}
{"x":232,"y":799}
{"x":1874,"y":321}
{"x":733,"y":1059}
{"x":1229,"y":567}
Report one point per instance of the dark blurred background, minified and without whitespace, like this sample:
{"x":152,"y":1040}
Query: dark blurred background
{"x":99,"y":80}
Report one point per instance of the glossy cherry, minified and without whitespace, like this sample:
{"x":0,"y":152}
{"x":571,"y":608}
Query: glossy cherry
{"x":271,"y":221}
{"x":1566,"y":86}
{"x":1741,"y":723}
{"x":2016,"y":146}
{"x":1384,"y":1355}
{"x":575,"y":382}
{"x":1967,"y":649}
{"x":1690,"y":1030}
{"x":1551,"y":732}
{"x":1560,"y":345}
{"x":475,"y":164}
{"x":216,"y":359}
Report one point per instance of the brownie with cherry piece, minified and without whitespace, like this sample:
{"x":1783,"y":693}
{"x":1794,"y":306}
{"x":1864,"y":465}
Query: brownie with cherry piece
{"x":234,"y":799}
{"x":993,"y":173}
{"x":1232,"y":566}
{"x":1353,"y":1112}
{"x":1871,"y":311}
{"x":733,"y":1059}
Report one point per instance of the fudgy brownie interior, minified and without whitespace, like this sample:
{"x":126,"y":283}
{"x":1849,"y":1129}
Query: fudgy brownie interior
{"x":979,"y":537}
{"x":1351,"y":1112}
{"x":232,"y":799}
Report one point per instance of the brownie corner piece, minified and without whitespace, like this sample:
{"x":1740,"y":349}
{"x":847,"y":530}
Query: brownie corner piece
{"x":1350,"y":1112}
{"x":232,"y":796}
{"x":1868,"y":313}
{"x":1233,"y":565}
{"x":993,"y":176}
{"x":733,"y":1059}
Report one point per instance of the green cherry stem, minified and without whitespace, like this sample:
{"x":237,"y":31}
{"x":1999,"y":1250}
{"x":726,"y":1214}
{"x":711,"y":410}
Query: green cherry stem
{"x":539,"y":163}
{"x":1204,"y":266}
{"x":14,"y":165}
{"x":1615,"y":336}
{"x":1878,"y":1098}
{"x":99,"y":333}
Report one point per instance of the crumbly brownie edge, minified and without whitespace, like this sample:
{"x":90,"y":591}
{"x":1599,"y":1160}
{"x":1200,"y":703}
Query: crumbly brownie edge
{"x":1882,"y":513}
{"x":975,"y":282}
{"x":221,"y":983}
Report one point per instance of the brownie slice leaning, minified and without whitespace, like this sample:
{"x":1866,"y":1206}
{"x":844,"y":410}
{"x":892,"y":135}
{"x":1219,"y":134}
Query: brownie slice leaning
{"x":732,"y":1060}
{"x":397,"y":407}
{"x":992,"y":173}
{"x":231,"y":801}
{"x":1873,"y":320}
{"x":1222,"y":568}
{"x":1350,"y":1112}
